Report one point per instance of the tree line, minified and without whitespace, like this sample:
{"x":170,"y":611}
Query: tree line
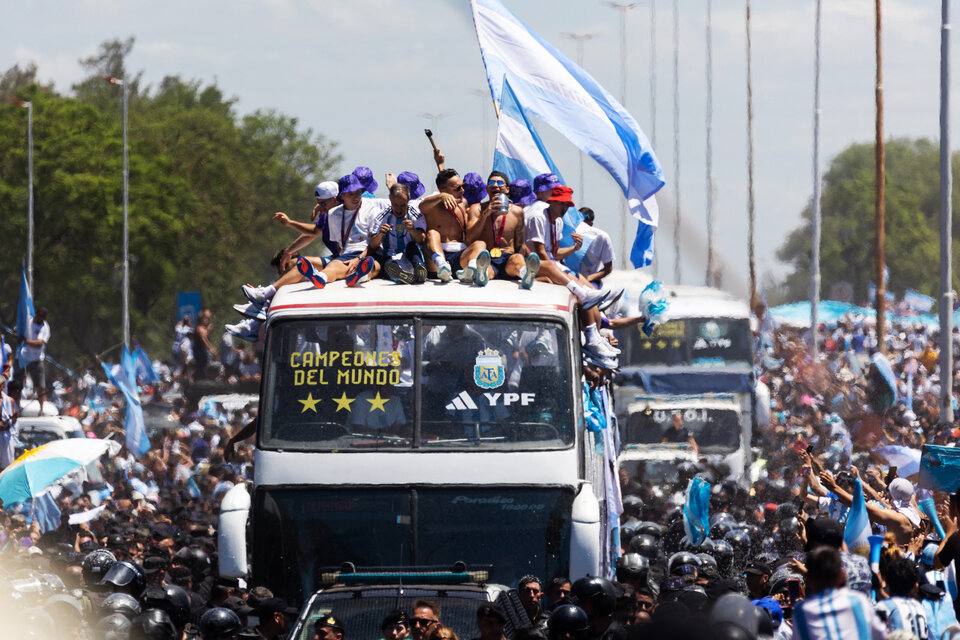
{"x":203,"y":183}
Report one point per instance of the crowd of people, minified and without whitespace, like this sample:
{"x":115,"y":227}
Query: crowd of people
{"x":130,"y":550}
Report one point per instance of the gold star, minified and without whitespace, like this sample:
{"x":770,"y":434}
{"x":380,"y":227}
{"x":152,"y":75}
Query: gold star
{"x":343,"y":402}
{"x":646,"y":344}
{"x":378,"y":402}
{"x":676,"y":343}
{"x":309,"y":403}
{"x":661,"y":344}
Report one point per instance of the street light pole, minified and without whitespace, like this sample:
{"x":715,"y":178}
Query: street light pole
{"x":623,"y":7}
{"x":946,"y":226}
{"x":580,"y":38}
{"x":29,"y":107}
{"x":126,"y":235}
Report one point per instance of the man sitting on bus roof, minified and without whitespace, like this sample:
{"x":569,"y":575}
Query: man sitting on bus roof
{"x":399,"y":232}
{"x":543,"y":238}
{"x":501,"y":229}
{"x":446,"y":215}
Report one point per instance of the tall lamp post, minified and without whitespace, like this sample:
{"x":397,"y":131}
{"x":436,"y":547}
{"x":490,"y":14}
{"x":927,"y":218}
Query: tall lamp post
{"x":126,"y":236}
{"x":29,"y":107}
{"x":623,"y":7}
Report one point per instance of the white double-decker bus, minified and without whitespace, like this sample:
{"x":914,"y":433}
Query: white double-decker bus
{"x":420,"y":426}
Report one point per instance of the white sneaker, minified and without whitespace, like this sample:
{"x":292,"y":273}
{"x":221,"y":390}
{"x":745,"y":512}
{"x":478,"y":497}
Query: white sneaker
{"x":251,"y":310}
{"x":255,"y":294}
{"x":443,"y":272}
{"x":612,"y":299}
{"x":590,"y":297}
{"x":603,"y":347}
{"x":246,"y":329}
{"x":593,"y":357}
{"x":467,"y":275}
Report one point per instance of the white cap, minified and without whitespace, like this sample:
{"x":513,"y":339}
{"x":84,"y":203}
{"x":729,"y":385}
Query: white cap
{"x":327,"y":190}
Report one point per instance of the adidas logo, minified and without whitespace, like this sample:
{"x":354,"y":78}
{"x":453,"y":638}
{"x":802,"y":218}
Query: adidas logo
{"x":462,"y":402}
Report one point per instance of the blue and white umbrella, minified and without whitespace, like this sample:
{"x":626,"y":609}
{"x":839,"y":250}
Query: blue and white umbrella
{"x":34,"y":471}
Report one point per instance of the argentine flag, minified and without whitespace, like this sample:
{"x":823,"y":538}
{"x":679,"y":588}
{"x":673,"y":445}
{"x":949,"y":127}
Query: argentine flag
{"x":136,"y":431}
{"x":520,"y":153}
{"x":145,"y":367}
{"x":857,"y":530}
{"x":563,"y":95}
{"x":696,"y":510}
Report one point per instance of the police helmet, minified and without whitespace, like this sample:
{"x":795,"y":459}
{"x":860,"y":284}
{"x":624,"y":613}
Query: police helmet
{"x":632,"y":566}
{"x":125,"y":577}
{"x":568,"y":620}
{"x":720,"y":529}
{"x":170,"y":598}
{"x":723,"y":554}
{"x":194,"y":558}
{"x":219,"y":623}
{"x":596,"y":595}
{"x":629,"y":529}
{"x":153,"y":624}
{"x":671,"y":539}
{"x":680,"y":559}
{"x":95,"y":565}
{"x":122,"y":603}
{"x":645,"y":545}
{"x":113,"y":627}
{"x":740,"y":541}
{"x":632,"y":505}
{"x":707,"y":560}
{"x":651,"y":529}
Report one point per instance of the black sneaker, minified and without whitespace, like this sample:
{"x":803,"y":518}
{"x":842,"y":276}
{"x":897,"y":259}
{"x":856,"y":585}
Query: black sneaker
{"x":420,"y":273}
{"x":397,"y":273}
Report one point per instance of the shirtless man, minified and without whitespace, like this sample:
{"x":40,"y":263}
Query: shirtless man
{"x":503,"y":233}
{"x":446,"y":215}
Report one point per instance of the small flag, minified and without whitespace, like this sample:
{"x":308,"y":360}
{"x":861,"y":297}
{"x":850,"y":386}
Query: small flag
{"x":696,"y":510}
{"x":145,"y":366}
{"x":856,"y":533}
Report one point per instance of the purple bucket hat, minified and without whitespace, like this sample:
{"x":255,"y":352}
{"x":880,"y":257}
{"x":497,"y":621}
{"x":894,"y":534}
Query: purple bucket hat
{"x":413,"y":183}
{"x":521,"y":192}
{"x":474,"y":188}
{"x":365,"y":176}
{"x":349,"y":183}
{"x":545,"y":182}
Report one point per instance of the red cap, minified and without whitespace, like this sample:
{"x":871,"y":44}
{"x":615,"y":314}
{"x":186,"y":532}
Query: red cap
{"x":561,"y":193}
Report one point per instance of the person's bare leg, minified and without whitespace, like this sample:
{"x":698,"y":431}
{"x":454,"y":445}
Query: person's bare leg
{"x":514,"y":263}
{"x":338,"y":269}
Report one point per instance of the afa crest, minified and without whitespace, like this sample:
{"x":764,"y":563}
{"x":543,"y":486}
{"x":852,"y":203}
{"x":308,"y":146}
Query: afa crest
{"x":488,"y":369}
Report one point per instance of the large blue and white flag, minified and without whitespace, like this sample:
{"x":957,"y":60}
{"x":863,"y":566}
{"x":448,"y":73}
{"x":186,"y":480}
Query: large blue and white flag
{"x":145,"y":367}
{"x":696,"y":510}
{"x":520,"y":153}
{"x":857,"y":530}
{"x":917,"y":301}
{"x":551,"y":87}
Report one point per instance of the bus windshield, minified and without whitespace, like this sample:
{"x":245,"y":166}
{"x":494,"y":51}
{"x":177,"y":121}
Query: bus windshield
{"x":416,"y":383}
{"x":697,"y":342}
{"x":517,"y":530}
{"x":715,"y":430}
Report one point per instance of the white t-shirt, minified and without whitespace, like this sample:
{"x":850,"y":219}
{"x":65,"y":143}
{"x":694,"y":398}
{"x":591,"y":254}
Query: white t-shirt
{"x":350,"y":229}
{"x":8,"y":436}
{"x":600,"y":251}
{"x":536,"y":228}
{"x":35,"y":332}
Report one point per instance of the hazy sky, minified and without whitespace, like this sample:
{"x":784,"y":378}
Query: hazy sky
{"x":363,"y":72}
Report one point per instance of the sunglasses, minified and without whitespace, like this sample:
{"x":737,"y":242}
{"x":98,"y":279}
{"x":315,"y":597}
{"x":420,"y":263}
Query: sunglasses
{"x":422,"y":622}
{"x":496,"y":183}
{"x":459,"y":187}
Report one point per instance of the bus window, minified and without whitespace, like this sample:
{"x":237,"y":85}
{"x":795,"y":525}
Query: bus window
{"x":495,"y":384}
{"x":714,"y":430}
{"x":339,"y":385}
{"x":700,"y":342}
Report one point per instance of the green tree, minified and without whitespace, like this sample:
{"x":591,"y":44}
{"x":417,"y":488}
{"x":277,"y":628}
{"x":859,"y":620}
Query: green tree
{"x":912,"y":246}
{"x":203,"y":182}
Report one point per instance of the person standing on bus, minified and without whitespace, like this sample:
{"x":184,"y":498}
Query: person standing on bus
{"x":446,"y":214}
{"x":502,"y":230}
{"x":677,"y":433}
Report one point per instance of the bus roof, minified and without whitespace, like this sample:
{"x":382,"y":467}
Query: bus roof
{"x":498,"y":297}
{"x":685,"y":301}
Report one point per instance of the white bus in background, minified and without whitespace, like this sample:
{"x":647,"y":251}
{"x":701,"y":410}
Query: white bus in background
{"x":698,"y":362}
{"x":419,"y":426}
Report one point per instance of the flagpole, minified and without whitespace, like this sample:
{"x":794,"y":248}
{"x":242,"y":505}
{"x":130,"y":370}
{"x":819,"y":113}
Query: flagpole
{"x":126,"y":228}
{"x":711,"y":279}
{"x":880,"y":301}
{"x":676,"y":141}
{"x":29,"y":106}
{"x":815,"y":213}
{"x":751,"y":199}
{"x":946,"y":225}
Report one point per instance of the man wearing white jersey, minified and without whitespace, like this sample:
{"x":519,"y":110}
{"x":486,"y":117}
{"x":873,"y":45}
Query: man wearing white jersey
{"x":598,"y":259}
